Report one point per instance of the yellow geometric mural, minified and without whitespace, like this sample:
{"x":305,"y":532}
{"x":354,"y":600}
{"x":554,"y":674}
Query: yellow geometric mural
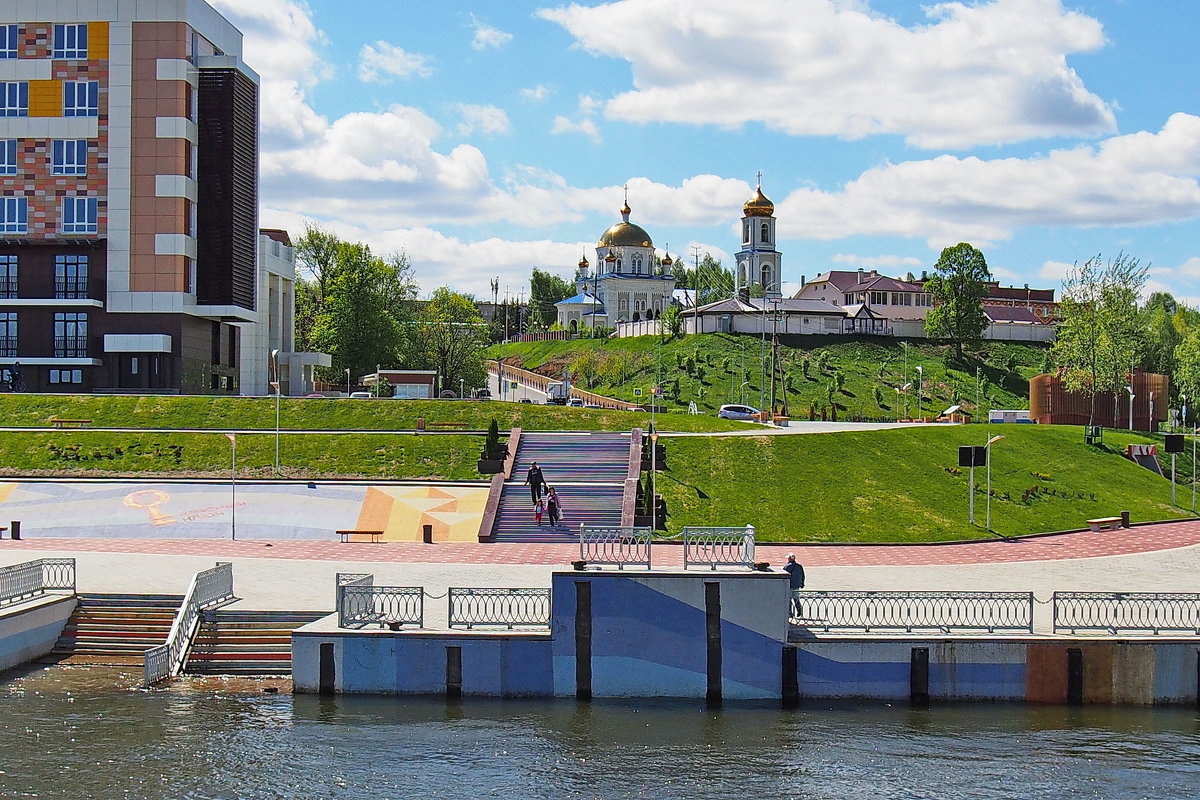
{"x":455,"y":512}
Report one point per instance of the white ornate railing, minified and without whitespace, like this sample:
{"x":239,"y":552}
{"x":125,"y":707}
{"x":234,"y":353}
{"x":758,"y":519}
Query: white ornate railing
{"x":945,"y":612}
{"x":207,"y":589}
{"x":718,"y":547}
{"x":1127,"y":612}
{"x":508,"y":607}
{"x":21,"y":582}
{"x":615,"y":546}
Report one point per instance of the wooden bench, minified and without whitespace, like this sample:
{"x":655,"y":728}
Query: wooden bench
{"x":350,"y":536}
{"x":58,"y":422}
{"x":1104,"y":523}
{"x":462,"y":425}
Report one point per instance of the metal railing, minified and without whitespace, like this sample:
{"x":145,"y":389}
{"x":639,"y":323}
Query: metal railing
{"x":1127,"y":612}
{"x":508,"y":607}
{"x":617,"y":546}
{"x":207,"y":589}
{"x":946,"y":612}
{"x":345,"y":579}
{"x":718,"y":546}
{"x":21,"y":582}
{"x":386,"y":606}
{"x":70,"y":346}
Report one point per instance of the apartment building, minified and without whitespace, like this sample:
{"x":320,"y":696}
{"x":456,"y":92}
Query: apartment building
{"x":128,"y":196}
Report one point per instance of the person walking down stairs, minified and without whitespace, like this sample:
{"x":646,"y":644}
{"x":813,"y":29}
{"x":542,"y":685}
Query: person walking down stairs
{"x":535,"y":481}
{"x":553,"y":506}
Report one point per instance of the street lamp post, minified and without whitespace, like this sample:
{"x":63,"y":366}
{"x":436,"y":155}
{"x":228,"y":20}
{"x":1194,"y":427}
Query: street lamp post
{"x":905,"y":344}
{"x":920,"y":378}
{"x":1129,"y":389}
{"x":347,"y":381}
{"x":278,"y":386}
{"x":988,"y":448}
{"x":461,"y":384}
{"x":653,"y":477}
{"x":232,"y":485}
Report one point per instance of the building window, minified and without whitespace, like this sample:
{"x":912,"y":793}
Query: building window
{"x":763,"y":237}
{"x":14,"y":215}
{"x":8,"y":334}
{"x":81,"y":98}
{"x":70,"y":41}
{"x":70,"y":277}
{"x":901,"y":299}
{"x":848,"y":299}
{"x":69,"y":157}
{"x":879,"y":298}
{"x":924,"y":299}
{"x":746,"y":232}
{"x":14,"y":99}
{"x":8,"y":41}
{"x":79,"y":215}
{"x":8,"y":277}
{"x":70,"y":335}
{"x":8,"y":156}
{"x":66,"y":376}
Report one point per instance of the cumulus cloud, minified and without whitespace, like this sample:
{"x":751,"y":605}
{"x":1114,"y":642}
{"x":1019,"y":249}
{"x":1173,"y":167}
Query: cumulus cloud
{"x":1137,"y":179}
{"x":885,"y":262}
{"x":535,"y":94}
{"x":487,"y":37}
{"x":488,"y":120}
{"x":987,"y":73}
{"x":582,"y":122}
{"x":380,"y":62}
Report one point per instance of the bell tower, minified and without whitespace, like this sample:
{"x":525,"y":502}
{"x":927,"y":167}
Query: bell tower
{"x":759,"y":264}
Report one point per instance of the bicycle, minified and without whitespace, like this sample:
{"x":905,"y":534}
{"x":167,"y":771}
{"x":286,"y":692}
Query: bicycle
{"x":12,"y":383}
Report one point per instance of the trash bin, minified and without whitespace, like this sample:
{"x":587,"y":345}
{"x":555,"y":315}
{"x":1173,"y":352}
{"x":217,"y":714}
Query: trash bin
{"x":15,"y":528}
{"x":1124,"y":519}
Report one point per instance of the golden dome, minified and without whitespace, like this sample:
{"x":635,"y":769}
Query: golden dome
{"x":666,"y":262}
{"x":611,"y":257}
{"x":625,"y":234}
{"x":583,"y":262}
{"x":758,"y":205}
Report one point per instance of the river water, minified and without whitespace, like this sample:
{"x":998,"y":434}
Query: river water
{"x":76,"y":732}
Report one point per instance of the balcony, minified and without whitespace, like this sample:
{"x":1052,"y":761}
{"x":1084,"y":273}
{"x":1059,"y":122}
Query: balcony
{"x":70,"y":289}
{"x":8,"y":288}
{"x":8,"y":347}
{"x":70,"y":347}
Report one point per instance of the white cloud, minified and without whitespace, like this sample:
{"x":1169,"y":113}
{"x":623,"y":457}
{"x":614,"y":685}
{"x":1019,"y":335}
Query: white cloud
{"x":879,"y":262}
{"x":536,"y":94}
{"x":1054,"y":271}
{"x":486,"y":36}
{"x":1137,"y":179}
{"x":985,"y":73}
{"x":582,"y":122}
{"x":487,"y":120}
{"x":381,"y":62}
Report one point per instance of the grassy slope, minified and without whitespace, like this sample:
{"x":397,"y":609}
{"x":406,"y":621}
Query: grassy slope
{"x":865,"y":364}
{"x":31,"y":410}
{"x":102,"y":454}
{"x":894,"y":486}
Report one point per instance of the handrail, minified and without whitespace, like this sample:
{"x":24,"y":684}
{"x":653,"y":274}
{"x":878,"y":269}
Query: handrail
{"x":945,"y":612}
{"x":20,"y":582}
{"x":541,"y":383}
{"x":618,"y":546}
{"x":508,"y":607}
{"x":343,"y":580}
{"x":718,"y":546}
{"x":1127,"y":612}
{"x":207,"y":589}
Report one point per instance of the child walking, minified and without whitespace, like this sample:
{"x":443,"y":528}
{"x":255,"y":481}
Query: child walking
{"x":539,"y":508}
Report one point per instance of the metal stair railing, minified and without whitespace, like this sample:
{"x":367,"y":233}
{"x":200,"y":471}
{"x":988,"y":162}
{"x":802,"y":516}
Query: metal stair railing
{"x":21,"y":582}
{"x":207,"y":589}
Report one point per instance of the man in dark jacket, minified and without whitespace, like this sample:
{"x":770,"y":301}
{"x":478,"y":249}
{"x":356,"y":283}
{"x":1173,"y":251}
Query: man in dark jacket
{"x":795,"y":573}
{"x":535,"y":481}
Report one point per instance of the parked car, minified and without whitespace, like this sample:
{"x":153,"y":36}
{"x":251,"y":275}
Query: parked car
{"x":575,"y":402}
{"x":482,"y":394}
{"x":524,"y":400}
{"x":734,"y":411}
{"x":360,"y":395}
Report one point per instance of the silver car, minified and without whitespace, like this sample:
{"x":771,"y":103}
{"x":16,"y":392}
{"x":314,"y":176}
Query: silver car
{"x":734,"y":411}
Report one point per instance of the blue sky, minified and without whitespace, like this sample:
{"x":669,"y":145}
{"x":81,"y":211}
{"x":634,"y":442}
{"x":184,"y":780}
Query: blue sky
{"x":487,"y":137}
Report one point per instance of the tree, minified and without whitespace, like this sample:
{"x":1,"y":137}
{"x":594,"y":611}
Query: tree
{"x":672,"y":320}
{"x":450,"y":338}
{"x":544,"y":291}
{"x":709,"y":280}
{"x":1187,"y":370}
{"x":1123,"y":334}
{"x":1164,"y":332}
{"x":958,"y":286}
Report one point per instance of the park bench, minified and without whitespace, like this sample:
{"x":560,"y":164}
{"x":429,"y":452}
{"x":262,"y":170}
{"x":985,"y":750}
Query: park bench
{"x":59,"y":422}
{"x":1103,"y":523}
{"x":358,"y":536}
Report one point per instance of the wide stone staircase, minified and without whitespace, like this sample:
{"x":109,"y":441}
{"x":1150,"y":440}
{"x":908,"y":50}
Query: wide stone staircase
{"x":116,"y":628}
{"x":587,"y":470}
{"x":231,"y":642}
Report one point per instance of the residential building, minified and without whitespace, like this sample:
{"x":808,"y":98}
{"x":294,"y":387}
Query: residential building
{"x":128,"y":196}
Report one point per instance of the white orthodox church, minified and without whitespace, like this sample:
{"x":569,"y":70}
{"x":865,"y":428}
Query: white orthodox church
{"x":629,"y":282}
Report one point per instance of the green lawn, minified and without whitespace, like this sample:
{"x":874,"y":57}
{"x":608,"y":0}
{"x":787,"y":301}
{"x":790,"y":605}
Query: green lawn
{"x":903,"y":485}
{"x":112,"y":411}
{"x":711,"y":370}
{"x":350,"y":455}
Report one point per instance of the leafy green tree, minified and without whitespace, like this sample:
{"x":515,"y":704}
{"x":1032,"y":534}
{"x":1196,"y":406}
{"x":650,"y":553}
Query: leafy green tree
{"x":450,"y":339}
{"x":672,"y":320}
{"x":1165,"y":329}
{"x":1187,"y":370}
{"x":545,"y":290}
{"x":1123,"y":339}
{"x":709,"y":280}
{"x":958,"y":286}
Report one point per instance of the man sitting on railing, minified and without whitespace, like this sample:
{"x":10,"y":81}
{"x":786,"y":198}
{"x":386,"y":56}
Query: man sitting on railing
{"x":795,"y":572}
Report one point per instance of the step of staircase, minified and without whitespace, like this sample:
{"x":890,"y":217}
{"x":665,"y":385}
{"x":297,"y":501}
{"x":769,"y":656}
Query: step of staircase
{"x":582,"y":504}
{"x":246,"y":642}
{"x":111,"y":628}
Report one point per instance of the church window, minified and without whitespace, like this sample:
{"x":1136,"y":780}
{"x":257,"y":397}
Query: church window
{"x":746,"y":232}
{"x":764,"y":235}
{"x":767,"y":283}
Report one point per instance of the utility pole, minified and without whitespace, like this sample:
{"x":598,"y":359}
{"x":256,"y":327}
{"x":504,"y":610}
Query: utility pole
{"x":762,"y":386}
{"x":774,"y":352}
{"x":696,"y":299}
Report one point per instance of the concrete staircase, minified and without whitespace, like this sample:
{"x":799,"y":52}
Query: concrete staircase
{"x":246,"y":642}
{"x":587,"y":470}
{"x":116,"y":628}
